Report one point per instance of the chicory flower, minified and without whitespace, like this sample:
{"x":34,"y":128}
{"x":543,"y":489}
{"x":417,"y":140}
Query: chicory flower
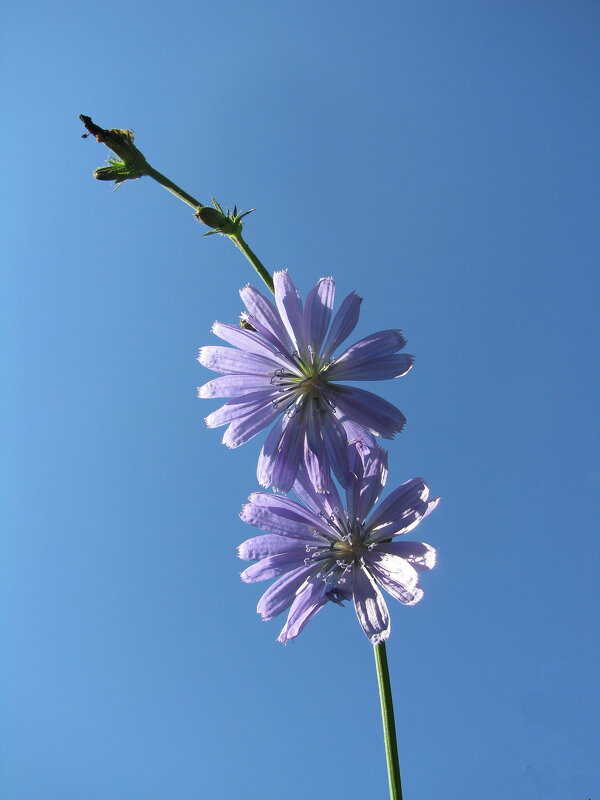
{"x":319,"y":551}
{"x":282,"y":370}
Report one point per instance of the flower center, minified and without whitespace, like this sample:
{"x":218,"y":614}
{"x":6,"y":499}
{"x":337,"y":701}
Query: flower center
{"x":306,"y":382}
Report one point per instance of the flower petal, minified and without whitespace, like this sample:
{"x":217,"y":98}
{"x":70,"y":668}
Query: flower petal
{"x":369,"y":466}
{"x":356,"y":432}
{"x":317,"y":313}
{"x":265,"y":314}
{"x":396,"y":576}
{"x":251,"y":342}
{"x":420,"y":555}
{"x":241,"y":406}
{"x":306,"y":604}
{"x":289,"y":457}
{"x":273,"y":566}
{"x":280,"y":595}
{"x":316,"y":457}
{"x":343,"y":324}
{"x":269,"y":544}
{"x":336,"y":444}
{"x":381,"y":343}
{"x":401,"y":510}
{"x":287,"y":508}
{"x":242,"y":430}
{"x":322,"y":504}
{"x":268,"y":453}
{"x":289,"y":306}
{"x":228,"y":359}
{"x":265,"y":519}
{"x":375,"y":369}
{"x":369,"y":410}
{"x":370,"y":606}
{"x":232,"y":386}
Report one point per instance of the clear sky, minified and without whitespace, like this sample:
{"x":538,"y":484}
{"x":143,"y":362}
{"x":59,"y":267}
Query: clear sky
{"x":439,"y":158}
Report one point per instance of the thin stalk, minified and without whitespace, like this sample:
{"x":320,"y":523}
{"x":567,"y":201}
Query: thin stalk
{"x":172,"y":187}
{"x":236,"y":238}
{"x":130,"y":158}
{"x":389,"y":725}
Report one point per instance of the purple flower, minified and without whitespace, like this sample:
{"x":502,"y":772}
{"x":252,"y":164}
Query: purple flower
{"x":281,"y":369}
{"x":319,"y":552}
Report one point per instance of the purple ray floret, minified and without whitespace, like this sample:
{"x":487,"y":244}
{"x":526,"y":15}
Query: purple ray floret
{"x":281,"y":369}
{"x":318,"y":551}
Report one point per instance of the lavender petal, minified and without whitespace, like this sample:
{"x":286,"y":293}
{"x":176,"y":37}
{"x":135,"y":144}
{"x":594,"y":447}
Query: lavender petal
{"x":250,"y":342}
{"x":420,"y":555}
{"x":343,"y":324}
{"x":316,"y":457}
{"x":407,"y":498}
{"x":397,"y":577}
{"x":242,"y":430}
{"x":369,"y":410}
{"x":289,"y":306}
{"x":265,"y":519}
{"x":269,"y":544}
{"x":317,"y":313}
{"x":280,"y":595}
{"x":265,"y":314}
{"x":336,"y":444}
{"x":381,"y":343}
{"x":306,"y":604}
{"x":369,"y":466}
{"x":370,"y":606}
{"x":375,"y":369}
{"x":288,"y":459}
{"x":268,"y":453}
{"x":239,"y":407}
{"x":232,"y":386}
{"x":228,"y":359}
{"x":286,"y":507}
{"x":273,"y":566}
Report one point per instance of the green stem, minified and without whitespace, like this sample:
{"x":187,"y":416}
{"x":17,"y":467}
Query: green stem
{"x":389,"y":725}
{"x":236,"y":238}
{"x":172,"y":187}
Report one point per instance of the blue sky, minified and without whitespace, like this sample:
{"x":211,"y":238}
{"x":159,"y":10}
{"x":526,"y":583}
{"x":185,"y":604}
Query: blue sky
{"x":440,"y":159}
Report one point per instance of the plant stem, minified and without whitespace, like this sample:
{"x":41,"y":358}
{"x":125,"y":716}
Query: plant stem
{"x":173,"y":188}
{"x":389,"y":725}
{"x":121,"y":143}
{"x":237,"y":239}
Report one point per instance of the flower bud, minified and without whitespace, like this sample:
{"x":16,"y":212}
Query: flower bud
{"x":213,"y":218}
{"x":225,"y":222}
{"x":117,"y":171}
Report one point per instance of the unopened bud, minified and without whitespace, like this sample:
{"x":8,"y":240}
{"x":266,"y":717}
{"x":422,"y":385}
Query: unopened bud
{"x":225,"y":222}
{"x":117,"y":171}
{"x":215,"y":219}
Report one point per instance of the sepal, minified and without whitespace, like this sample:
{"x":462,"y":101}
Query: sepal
{"x":226,"y":222}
